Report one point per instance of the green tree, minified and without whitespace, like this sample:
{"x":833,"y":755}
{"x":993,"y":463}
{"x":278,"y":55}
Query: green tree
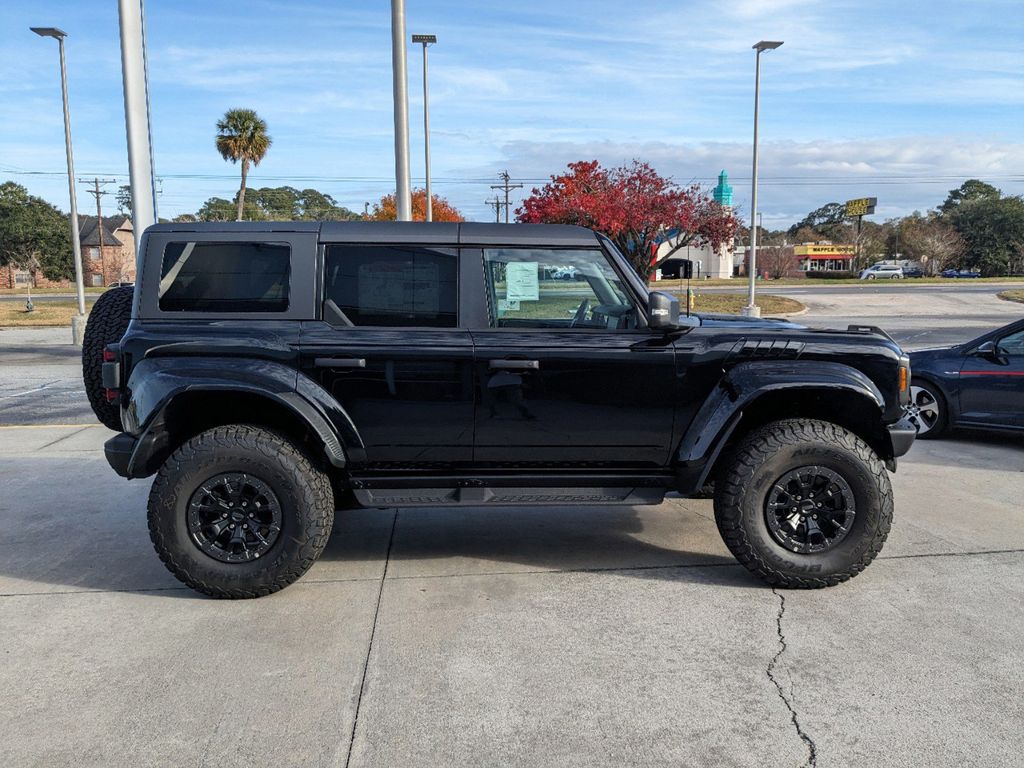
{"x":991,"y":228}
{"x":830,"y":221}
{"x":220,"y":209}
{"x":242,"y":138}
{"x":33,"y":234}
{"x":972,"y":189}
{"x":123,"y":196}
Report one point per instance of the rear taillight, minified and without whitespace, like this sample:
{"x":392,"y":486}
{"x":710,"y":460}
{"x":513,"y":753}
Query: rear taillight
{"x":111,"y":373}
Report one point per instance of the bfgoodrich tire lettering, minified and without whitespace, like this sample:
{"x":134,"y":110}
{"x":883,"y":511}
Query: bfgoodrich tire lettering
{"x":302,"y":491}
{"x":768,"y":454}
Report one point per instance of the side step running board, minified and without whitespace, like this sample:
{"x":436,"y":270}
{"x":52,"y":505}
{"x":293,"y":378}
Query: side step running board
{"x":506,"y":496}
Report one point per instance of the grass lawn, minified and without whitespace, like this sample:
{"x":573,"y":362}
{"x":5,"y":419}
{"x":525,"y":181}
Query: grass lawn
{"x":1012,"y":296}
{"x":53,"y":313}
{"x":48,"y":291}
{"x":732,"y":303}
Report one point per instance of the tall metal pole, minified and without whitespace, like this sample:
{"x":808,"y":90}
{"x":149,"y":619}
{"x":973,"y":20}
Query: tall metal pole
{"x":752,"y":310}
{"x":403,"y":194}
{"x":136,"y":117}
{"x":76,"y":244}
{"x":426,"y":134}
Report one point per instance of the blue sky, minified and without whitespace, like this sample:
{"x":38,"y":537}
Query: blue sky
{"x":898,"y":100}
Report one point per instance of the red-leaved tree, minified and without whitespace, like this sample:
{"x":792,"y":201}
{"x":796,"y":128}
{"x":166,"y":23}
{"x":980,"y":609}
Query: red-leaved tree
{"x":634,"y":206}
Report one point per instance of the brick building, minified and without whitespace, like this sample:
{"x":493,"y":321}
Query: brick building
{"x":108,"y":256}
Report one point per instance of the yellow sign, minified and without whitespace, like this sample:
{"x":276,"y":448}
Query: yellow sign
{"x":823,"y":250}
{"x":862,"y":206}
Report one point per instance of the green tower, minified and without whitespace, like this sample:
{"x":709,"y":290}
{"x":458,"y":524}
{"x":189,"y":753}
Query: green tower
{"x":723,"y":192}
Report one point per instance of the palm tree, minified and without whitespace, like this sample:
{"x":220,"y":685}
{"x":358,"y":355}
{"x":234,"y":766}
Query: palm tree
{"x":242,"y":135}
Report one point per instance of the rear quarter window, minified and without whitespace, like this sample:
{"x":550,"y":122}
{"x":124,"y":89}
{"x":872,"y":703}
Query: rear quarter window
{"x":225,"y":277}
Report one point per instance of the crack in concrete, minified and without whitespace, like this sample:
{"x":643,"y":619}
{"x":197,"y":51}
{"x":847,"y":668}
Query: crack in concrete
{"x":812,"y":747}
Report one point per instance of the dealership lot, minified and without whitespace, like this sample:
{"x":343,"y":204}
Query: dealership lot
{"x":557,"y":636}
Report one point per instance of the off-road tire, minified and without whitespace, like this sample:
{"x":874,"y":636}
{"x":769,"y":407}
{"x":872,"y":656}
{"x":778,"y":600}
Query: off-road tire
{"x":304,"y":493}
{"x":108,"y":320}
{"x":768,"y":453}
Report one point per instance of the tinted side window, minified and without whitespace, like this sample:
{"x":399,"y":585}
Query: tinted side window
{"x":1012,"y":344}
{"x":383,"y":285}
{"x":225,"y":277}
{"x":555,"y":288}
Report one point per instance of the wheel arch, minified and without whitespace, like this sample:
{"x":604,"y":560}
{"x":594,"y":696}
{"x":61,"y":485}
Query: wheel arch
{"x":764,"y":392}
{"x":173,"y":400}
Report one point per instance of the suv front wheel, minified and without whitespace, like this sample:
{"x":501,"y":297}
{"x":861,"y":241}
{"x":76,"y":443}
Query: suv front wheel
{"x":238,"y":512}
{"x":804,"y":503}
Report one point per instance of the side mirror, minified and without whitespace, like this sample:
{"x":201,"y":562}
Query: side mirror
{"x":662,"y":310}
{"x":988,"y":349}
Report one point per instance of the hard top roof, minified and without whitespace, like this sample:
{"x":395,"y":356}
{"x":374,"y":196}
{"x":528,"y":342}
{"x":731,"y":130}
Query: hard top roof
{"x":435,"y":233}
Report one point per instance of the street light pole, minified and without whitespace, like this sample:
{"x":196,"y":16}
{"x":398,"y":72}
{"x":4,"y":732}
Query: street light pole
{"x":78,"y":322}
{"x":400,"y":83}
{"x":426,"y":40}
{"x":752,"y":310}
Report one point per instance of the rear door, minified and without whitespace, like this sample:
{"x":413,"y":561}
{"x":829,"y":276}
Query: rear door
{"x":566,"y":371}
{"x":389,"y":348}
{"x":992,"y":388}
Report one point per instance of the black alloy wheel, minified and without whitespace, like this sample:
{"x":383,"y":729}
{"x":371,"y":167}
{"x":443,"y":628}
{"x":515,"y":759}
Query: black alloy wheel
{"x":810,"y":509}
{"x":234,"y":517}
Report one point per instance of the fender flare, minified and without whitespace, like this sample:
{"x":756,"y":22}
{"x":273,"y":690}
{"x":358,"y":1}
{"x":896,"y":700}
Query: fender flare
{"x":155,"y":384}
{"x":719,"y":415}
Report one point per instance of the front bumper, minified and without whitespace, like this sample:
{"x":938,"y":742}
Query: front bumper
{"x":902,"y":435}
{"x":119,"y":450}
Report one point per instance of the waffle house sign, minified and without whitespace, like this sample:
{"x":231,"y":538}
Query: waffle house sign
{"x":862,"y":206}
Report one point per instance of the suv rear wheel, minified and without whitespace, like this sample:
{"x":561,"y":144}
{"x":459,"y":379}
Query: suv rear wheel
{"x":804,"y":503}
{"x":238,"y":512}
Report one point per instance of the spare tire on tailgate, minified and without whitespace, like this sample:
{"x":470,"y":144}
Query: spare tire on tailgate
{"x":108,"y":320}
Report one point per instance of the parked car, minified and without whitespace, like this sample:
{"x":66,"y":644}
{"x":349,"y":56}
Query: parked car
{"x":960,"y":273}
{"x":913,"y":272}
{"x":269,"y":374}
{"x":882,"y":272}
{"x":125,"y":284}
{"x":979,"y":384}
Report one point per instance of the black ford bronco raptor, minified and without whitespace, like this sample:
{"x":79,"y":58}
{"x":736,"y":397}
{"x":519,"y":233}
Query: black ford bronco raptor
{"x":270,"y":374}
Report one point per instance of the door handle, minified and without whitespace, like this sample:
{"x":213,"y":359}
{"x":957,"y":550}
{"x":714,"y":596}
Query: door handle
{"x":340,"y":362}
{"x":515,"y":365}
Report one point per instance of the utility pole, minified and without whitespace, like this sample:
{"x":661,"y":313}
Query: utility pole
{"x":98,"y":193}
{"x":507,"y":187}
{"x":496,"y":204}
{"x":366,"y":210}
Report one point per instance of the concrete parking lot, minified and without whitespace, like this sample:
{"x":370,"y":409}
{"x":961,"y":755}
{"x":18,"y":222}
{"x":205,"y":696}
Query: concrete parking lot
{"x":546,"y":636}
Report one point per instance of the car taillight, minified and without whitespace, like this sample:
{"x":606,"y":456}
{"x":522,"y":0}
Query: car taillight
{"x":109,"y":356}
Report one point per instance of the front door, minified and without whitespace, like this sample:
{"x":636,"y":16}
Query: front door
{"x":567,"y":373}
{"x":390,"y":351}
{"x":992,"y":387}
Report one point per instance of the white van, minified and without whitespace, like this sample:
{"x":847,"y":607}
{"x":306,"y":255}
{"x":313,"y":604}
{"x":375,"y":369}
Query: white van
{"x":882,"y":271}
